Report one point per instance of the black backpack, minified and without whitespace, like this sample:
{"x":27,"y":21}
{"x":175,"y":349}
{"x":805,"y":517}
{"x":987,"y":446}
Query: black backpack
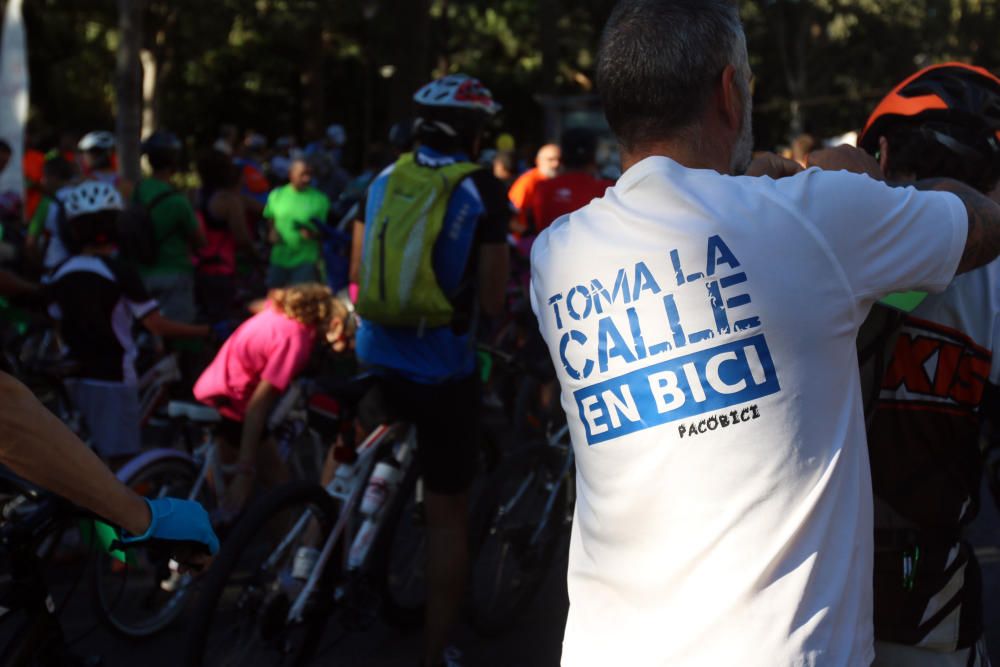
{"x":137,"y":240}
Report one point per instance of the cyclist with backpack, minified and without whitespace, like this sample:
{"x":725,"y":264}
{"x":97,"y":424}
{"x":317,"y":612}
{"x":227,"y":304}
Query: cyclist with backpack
{"x":161,"y":231}
{"x":924,"y":434}
{"x":430,"y":254}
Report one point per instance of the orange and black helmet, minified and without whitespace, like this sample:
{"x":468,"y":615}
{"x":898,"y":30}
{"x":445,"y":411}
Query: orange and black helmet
{"x":955,"y":104}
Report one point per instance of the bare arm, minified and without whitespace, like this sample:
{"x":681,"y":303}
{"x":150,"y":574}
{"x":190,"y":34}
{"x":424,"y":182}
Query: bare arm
{"x":229,"y":207}
{"x":161,"y":326}
{"x":357,"y":245}
{"x":983,"y":243}
{"x":261,"y":402}
{"x":13,"y":285}
{"x":39,"y":447}
{"x":494,"y":270}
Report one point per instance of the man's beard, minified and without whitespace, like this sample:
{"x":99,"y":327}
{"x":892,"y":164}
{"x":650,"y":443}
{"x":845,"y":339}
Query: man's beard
{"x":743,"y":149}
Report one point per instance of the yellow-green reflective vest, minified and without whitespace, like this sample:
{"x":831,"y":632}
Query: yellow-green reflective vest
{"x":398,"y":286}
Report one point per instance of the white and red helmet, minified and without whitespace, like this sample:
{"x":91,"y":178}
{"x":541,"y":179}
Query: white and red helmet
{"x":458,"y":91}
{"x":91,"y":197}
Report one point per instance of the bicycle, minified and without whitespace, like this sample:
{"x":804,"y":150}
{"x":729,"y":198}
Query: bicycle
{"x":306,"y":553}
{"x":518,"y":526}
{"x":154,"y":385}
{"x":33,"y":521}
{"x":145,"y":597}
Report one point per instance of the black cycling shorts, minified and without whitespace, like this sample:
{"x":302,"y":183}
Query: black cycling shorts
{"x":447,"y":420}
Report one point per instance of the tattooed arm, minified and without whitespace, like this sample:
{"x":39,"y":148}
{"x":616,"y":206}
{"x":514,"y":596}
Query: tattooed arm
{"x":983,"y":243}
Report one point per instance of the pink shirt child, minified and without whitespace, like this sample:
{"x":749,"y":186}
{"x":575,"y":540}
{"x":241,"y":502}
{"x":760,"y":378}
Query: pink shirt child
{"x":269,"y":346}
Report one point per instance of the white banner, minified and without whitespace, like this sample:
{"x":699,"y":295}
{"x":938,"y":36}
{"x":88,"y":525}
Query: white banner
{"x":13,"y":95}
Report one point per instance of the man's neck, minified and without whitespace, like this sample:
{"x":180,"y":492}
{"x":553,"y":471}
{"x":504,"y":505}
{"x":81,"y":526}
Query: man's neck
{"x":694,"y":152}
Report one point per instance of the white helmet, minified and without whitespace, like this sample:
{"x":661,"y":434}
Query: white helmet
{"x":458,"y":91}
{"x":91,"y":197}
{"x":97,"y":141}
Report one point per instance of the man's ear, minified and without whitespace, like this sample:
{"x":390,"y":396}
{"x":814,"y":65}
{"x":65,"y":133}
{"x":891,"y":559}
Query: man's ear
{"x":730,"y":98}
{"x":883,"y":154}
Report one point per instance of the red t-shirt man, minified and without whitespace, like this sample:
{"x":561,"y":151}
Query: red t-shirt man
{"x":522,"y":192}
{"x":576,"y":186}
{"x":564,"y":194}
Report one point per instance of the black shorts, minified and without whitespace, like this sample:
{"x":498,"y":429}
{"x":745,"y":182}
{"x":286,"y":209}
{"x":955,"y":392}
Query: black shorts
{"x":447,"y":420}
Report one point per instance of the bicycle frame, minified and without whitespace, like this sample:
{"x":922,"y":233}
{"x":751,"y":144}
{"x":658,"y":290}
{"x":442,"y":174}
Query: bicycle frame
{"x":554,"y":440}
{"x":553,"y":494}
{"x":153,"y":384}
{"x":347,"y":486}
{"x":205,"y":460}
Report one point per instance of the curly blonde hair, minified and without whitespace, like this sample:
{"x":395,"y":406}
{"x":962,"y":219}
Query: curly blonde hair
{"x":312,"y":304}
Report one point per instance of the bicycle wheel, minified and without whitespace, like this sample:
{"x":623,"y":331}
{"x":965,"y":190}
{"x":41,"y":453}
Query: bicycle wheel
{"x":143,"y":597}
{"x":403,"y":553}
{"x":512,"y":555}
{"x":243,"y":603}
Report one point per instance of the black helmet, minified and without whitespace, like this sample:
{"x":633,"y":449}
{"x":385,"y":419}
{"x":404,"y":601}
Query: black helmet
{"x":161,"y":140}
{"x":954,"y":104}
{"x":163,"y":149}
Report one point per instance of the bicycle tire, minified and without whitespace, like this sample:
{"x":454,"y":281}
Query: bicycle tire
{"x":495,"y":602}
{"x":246,"y":539}
{"x":116,"y":594}
{"x":401,"y":560}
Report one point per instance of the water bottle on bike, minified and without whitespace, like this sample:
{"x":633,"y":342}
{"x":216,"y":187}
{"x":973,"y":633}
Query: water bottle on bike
{"x":385,"y":478}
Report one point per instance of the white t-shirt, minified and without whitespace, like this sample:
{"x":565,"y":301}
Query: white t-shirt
{"x":703,"y":330}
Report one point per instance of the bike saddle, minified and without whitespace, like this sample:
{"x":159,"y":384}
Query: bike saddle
{"x":57,"y":369}
{"x":196,"y":412}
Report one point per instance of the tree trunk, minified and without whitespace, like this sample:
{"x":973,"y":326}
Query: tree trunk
{"x":792,"y":25}
{"x":150,"y":79}
{"x":129,"y":86}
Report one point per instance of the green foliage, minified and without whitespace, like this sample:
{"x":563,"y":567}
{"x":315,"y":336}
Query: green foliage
{"x":293,"y":66}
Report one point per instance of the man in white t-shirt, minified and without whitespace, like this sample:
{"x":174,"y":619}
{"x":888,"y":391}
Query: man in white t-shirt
{"x":703,"y":329}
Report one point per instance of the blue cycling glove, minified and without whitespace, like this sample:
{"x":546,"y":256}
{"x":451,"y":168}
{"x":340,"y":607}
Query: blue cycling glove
{"x":177,"y":520}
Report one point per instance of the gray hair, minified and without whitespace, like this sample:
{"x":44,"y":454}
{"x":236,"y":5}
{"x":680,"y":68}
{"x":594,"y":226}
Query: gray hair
{"x":660,"y":60}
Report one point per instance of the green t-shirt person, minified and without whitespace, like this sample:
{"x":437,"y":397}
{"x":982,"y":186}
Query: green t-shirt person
{"x":290,"y":207}
{"x":176,"y":226}
{"x":37,"y":223}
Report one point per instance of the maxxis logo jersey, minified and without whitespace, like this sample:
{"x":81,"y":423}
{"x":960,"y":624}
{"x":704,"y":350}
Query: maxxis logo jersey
{"x":702,"y":328}
{"x":927,"y":466}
